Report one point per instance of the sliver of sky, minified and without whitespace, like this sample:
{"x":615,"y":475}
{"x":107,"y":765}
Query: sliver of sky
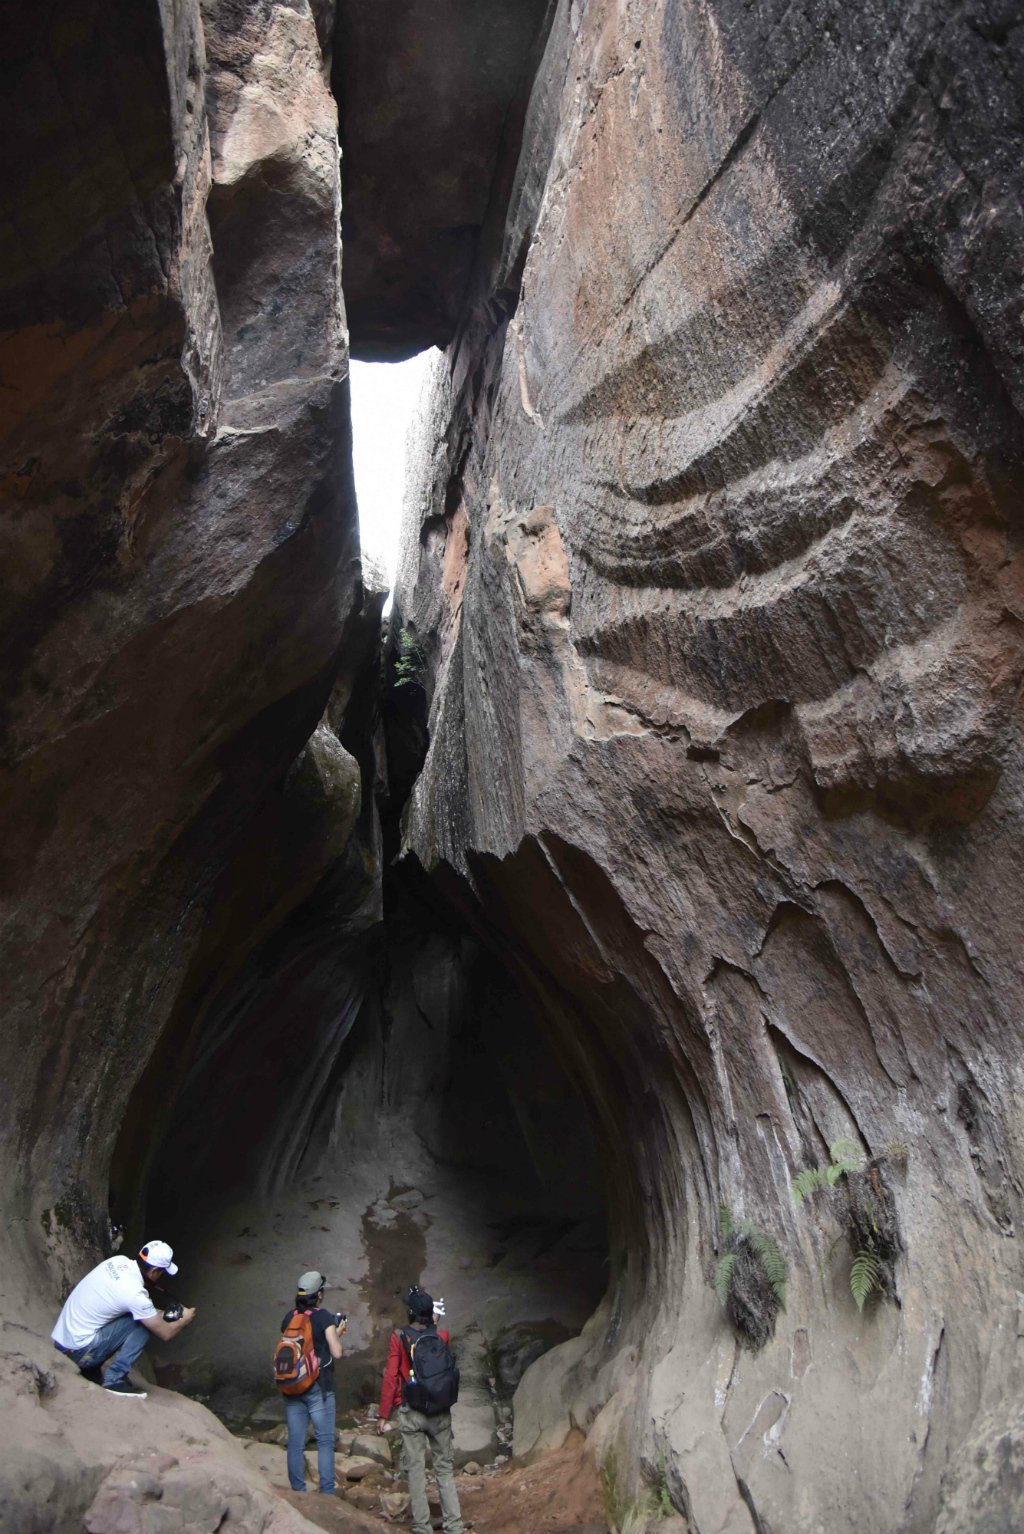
{"x":384,"y":400}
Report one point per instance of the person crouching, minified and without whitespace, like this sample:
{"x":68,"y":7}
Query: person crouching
{"x":111,"y":1313}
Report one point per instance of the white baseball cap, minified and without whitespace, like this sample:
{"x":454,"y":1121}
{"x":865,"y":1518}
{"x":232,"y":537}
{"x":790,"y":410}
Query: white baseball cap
{"x":157,"y":1254}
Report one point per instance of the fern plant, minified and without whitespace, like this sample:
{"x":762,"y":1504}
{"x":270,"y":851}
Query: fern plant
{"x":865,"y":1276}
{"x":411,"y":663}
{"x":847,"y":1156}
{"x":771,"y":1259}
{"x":750,"y":1277}
{"x":640,"y":1514}
{"x":723,"y":1276}
{"x":875,"y":1240}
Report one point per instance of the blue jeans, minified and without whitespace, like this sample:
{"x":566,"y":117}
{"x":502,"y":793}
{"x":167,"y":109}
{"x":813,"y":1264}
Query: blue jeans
{"x":122,"y":1336}
{"x":317,"y":1408}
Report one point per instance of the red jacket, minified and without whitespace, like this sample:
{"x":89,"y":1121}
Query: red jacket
{"x":396,"y":1373}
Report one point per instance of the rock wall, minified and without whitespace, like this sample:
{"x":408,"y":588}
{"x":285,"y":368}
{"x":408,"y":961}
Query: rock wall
{"x":181,"y":589}
{"x":713,"y":560}
{"x":221,"y":1020}
{"x":179,"y":537}
{"x":713,"y":553}
{"x":437,"y":1143}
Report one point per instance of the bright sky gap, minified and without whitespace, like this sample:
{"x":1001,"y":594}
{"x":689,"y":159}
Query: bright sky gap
{"x":384,"y":400}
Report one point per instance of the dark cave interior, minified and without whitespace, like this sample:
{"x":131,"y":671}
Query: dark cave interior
{"x":342,"y":1022}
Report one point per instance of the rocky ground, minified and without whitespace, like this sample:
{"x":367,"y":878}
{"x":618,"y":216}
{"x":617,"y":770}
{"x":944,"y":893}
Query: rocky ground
{"x":75,"y":1459}
{"x":561,"y":1494}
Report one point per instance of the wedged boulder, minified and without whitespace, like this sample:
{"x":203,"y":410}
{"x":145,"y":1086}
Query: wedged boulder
{"x":420,"y":176}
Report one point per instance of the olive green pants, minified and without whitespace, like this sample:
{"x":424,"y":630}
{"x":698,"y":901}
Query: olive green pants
{"x":416,"y":1429}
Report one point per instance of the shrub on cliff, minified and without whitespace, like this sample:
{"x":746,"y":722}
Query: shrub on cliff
{"x":750,"y":1278}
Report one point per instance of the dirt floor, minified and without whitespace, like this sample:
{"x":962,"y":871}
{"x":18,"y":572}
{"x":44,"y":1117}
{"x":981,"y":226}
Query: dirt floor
{"x":560,"y":1494}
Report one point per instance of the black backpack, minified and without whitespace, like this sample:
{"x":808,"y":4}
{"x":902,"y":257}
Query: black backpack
{"x":433,"y":1383}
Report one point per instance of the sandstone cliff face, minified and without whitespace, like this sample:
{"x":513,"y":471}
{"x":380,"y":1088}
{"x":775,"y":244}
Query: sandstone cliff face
{"x":180,"y":564}
{"x":192,"y":876}
{"x":178,"y":539}
{"x":714,"y":553}
{"x":714,"y":559}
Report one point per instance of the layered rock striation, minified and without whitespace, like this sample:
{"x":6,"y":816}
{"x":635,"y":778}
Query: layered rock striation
{"x":225,"y":1016}
{"x":712,"y":754}
{"x":179,"y":534}
{"x":713,"y":556}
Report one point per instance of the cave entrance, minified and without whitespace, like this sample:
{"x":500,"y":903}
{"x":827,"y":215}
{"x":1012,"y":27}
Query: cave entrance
{"x":352,"y":1080}
{"x":437,"y":1142}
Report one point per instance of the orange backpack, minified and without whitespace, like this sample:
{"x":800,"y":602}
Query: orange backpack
{"x":296,"y":1365}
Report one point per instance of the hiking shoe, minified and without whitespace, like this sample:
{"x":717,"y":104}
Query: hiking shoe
{"x":123,"y":1388}
{"x":93,"y":1375}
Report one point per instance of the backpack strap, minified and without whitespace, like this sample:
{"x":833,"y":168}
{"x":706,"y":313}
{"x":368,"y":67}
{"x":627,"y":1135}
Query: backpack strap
{"x":428,"y":1331}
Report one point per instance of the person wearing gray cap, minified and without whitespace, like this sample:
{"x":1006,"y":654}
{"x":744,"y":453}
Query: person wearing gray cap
{"x":315,"y":1404}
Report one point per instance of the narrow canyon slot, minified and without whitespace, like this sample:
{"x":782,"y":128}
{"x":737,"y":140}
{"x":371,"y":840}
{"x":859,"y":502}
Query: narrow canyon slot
{"x":545,"y":834}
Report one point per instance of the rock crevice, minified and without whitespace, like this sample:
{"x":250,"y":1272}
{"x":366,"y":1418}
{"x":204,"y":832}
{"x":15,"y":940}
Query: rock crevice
{"x":688,"y":861}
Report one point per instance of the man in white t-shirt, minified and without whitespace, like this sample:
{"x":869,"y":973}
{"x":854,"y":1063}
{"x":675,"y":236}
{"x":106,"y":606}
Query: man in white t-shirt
{"x":110,"y":1312}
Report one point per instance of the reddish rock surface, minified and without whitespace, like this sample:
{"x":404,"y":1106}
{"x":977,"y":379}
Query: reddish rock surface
{"x":713,"y":564}
{"x":715,"y":560}
{"x":180,"y":564}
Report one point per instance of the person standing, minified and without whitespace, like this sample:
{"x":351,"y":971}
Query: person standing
{"x":420,"y":1368}
{"x":110,"y":1312}
{"x":316,"y":1404}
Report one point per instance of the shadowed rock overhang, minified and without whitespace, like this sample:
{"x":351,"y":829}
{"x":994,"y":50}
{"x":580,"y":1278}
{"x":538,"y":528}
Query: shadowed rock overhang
{"x":431,"y":97}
